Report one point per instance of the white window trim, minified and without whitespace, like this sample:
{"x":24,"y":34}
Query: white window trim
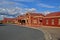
{"x":47,"y":21}
{"x":59,"y":21}
{"x":53,"y":21}
{"x":35,"y":21}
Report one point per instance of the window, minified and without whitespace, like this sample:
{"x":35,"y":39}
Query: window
{"x":35,"y":21}
{"x":46,"y":21}
{"x":59,"y":21}
{"x":52,"y":21}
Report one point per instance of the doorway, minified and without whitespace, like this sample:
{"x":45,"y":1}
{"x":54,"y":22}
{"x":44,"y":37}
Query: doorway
{"x":40,"y":22}
{"x":22,"y":21}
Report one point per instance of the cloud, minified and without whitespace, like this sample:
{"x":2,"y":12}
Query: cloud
{"x":5,"y":2}
{"x":25,"y":0}
{"x":30,"y":9}
{"x":9,"y":4}
{"x":59,"y":7}
{"x":14,"y":12}
{"x":25,"y":10}
{"x":45,"y":5}
{"x":5,"y":16}
{"x":1,"y":17}
{"x":8,"y":16}
{"x":13,"y":9}
{"x":47,"y":12}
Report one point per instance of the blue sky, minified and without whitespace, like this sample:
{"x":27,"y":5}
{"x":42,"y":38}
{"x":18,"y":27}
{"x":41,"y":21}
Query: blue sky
{"x":13,"y":8}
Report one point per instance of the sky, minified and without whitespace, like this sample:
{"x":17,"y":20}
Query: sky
{"x":13,"y":8}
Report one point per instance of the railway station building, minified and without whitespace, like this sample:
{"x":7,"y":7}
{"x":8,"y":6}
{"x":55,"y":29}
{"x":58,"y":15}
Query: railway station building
{"x":36,"y":19}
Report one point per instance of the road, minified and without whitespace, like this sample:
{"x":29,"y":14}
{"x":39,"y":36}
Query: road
{"x":14,"y":32}
{"x":51,"y":33}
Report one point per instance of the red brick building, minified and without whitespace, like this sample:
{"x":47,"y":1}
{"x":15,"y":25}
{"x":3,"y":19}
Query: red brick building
{"x":31,"y":19}
{"x":52,"y":19}
{"x":8,"y":20}
{"x":36,"y":19}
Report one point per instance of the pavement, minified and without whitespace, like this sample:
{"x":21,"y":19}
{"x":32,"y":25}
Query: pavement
{"x":14,"y":32}
{"x":50,"y":33}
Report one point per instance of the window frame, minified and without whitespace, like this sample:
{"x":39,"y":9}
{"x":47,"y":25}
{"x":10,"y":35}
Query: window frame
{"x":47,"y":21}
{"x":52,"y":21}
{"x":59,"y":21}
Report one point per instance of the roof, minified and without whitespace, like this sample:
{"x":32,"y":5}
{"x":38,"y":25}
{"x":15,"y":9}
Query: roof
{"x":9,"y":18}
{"x":39,"y":14}
{"x":53,"y":14}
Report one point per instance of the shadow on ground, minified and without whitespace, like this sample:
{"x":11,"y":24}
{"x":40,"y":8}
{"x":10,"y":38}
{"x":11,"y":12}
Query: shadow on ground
{"x":2,"y":24}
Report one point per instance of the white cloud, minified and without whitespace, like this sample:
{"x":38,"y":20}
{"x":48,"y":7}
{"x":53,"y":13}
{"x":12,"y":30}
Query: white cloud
{"x":47,"y":12}
{"x":59,"y":7}
{"x":25,"y":10}
{"x":9,"y":4}
{"x":8,"y":16}
{"x":25,"y":0}
{"x":5,"y":16}
{"x":1,"y":17}
{"x":30,"y":9}
{"x":6,"y":2}
{"x":16,"y":11}
{"x":45,"y":5}
{"x":13,"y":8}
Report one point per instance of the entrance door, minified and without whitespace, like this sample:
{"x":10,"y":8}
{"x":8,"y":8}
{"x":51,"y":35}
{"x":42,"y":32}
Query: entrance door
{"x":21,"y":21}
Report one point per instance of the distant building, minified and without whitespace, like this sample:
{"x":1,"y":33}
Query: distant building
{"x":8,"y":20}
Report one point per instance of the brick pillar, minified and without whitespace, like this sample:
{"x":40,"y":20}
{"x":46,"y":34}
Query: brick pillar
{"x":29,"y":20}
